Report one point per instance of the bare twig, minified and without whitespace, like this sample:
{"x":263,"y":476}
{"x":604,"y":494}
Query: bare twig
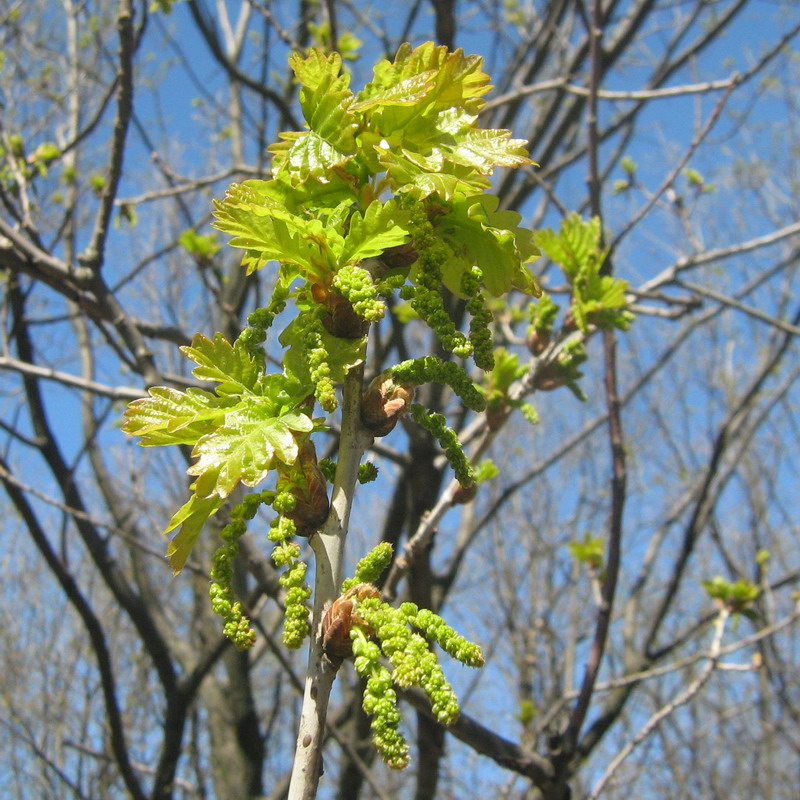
{"x":655,"y":720}
{"x":726,"y":300}
{"x":93,"y":255}
{"x":93,"y":387}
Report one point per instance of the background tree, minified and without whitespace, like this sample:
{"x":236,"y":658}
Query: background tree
{"x":611,"y":667}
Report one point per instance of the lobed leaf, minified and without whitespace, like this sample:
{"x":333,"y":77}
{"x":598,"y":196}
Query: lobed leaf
{"x":573,"y":245}
{"x":492,"y":240}
{"x":377,"y":230}
{"x":232,"y":366}
{"x":260,"y":224}
{"x":169,"y":416}
{"x":246,"y":448}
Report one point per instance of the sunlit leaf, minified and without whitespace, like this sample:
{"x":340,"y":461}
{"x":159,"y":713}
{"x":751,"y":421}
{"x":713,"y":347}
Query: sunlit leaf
{"x":261,"y":225}
{"x":169,"y":416}
{"x":476,"y":233}
{"x":377,"y":230}
{"x":574,"y":243}
{"x":191,"y":516}
{"x":245,"y":448}
{"x":233,"y":367}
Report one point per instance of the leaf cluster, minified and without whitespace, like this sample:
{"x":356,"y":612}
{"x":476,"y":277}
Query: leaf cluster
{"x":597,"y":297}
{"x":410,"y":131}
{"x":238,"y":433}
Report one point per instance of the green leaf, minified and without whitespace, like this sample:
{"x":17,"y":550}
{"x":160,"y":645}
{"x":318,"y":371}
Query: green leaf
{"x":191,"y":516}
{"x":343,"y":354}
{"x":311,"y":156}
{"x":260,"y":224}
{"x":506,"y":370}
{"x":169,"y":416}
{"x":325,"y":101}
{"x":204,"y":246}
{"x":379,"y":228}
{"x":306,"y":197}
{"x":246,"y":448}
{"x":403,"y":92}
{"x":480,"y":148}
{"x":233,"y":367}
{"x":432,"y":76}
{"x":45,"y":153}
{"x":577,"y":248}
{"x":575,"y":243}
{"x":316,"y":69}
{"x":737,"y":596}
{"x":492,"y":240}
{"x":590,"y":551}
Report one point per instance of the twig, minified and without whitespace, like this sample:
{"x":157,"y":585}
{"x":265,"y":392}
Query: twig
{"x":786,"y":327}
{"x":93,"y":255}
{"x":328,"y":546}
{"x":615,"y":435}
{"x":683,"y":698}
{"x":681,"y":163}
{"x":114,"y":392}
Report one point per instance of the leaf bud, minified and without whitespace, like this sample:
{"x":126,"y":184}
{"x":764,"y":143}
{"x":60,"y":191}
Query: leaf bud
{"x":538,"y":341}
{"x":341,"y":320}
{"x":384,"y":402}
{"x":340,"y":618}
{"x":309,"y":490}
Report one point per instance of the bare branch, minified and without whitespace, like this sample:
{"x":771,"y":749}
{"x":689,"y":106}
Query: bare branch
{"x":655,"y":720}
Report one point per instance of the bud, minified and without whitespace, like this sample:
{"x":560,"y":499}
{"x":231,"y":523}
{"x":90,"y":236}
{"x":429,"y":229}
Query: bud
{"x":465,"y":494}
{"x":340,"y":618}
{"x":341,"y":320}
{"x":310,"y":492}
{"x":551,"y":377}
{"x":538,"y":341}
{"x":384,"y":402}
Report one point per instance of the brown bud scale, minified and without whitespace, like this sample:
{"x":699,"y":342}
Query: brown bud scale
{"x":340,"y":618}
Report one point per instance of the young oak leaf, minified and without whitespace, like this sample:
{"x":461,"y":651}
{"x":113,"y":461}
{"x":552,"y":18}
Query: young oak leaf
{"x":245,"y":448}
{"x":451,"y":136}
{"x":191,"y":516}
{"x":440,"y":79}
{"x":325,"y":101}
{"x":574,"y":244}
{"x":405,"y":92}
{"x":485,"y":149}
{"x":423,"y":176}
{"x":170,"y":416}
{"x":231,"y":366}
{"x":307,"y":155}
{"x":490,"y":239}
{"x":317,"y":69}
{"x":273,"y":233}
{"x":342,"y":354}
{"x":380,"y":228}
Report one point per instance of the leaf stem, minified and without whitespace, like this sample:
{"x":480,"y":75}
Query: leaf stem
{"x":328,"y":546}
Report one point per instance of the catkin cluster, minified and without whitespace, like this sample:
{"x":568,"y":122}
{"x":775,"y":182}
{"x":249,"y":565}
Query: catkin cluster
{"x":223,"y":599}
{"x":260,"y":320}
{"x":430,"y":369}
{"x":318,"y":363}
{"x":426,"y":295}
{"x":480,"y":334}
{"x":377,"y":631}
{"x":355,"y":284}
{"x":436,"y":424}
{"x":287,"y":554}
{"x":413,"y":664}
